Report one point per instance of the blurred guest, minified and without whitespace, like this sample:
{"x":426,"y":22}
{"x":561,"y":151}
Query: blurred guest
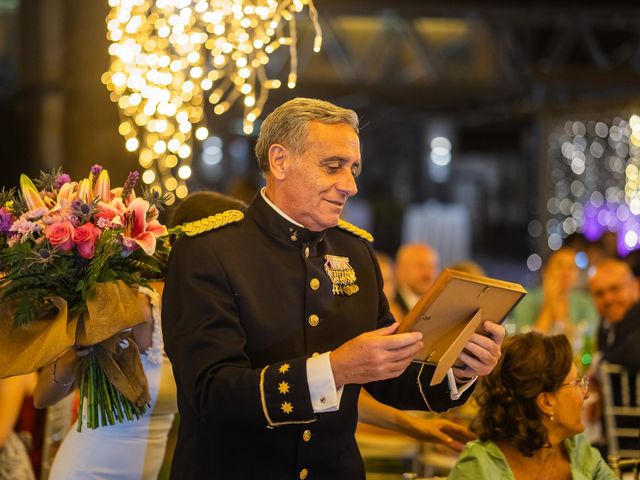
{"x":14,"y":459}
{"x":615,"y":292}
{"x":556,"y":306}
{"x":417,"y":267}
{"x":529,"y":422}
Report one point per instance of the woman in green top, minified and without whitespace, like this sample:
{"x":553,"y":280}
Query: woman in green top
{"x":530,"y":417}
{"x":557,"y":306}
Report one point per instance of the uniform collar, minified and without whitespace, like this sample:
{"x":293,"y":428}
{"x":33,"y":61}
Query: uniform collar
{"x":263,"y":192}
{"x":278,"y":225}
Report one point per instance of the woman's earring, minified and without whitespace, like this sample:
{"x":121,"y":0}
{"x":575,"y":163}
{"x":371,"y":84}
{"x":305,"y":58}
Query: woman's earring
{"x":551,"y":417}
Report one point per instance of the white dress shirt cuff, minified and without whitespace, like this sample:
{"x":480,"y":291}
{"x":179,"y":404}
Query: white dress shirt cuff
{"x":455,"y":390}
{"x":322,"y":387}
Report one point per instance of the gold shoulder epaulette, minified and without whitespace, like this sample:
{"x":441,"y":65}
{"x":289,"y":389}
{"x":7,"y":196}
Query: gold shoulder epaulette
{"x":358,"y":232}
{"x":211,"y":223}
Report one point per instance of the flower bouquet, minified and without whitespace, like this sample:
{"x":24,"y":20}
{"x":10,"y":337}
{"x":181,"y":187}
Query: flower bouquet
{"x":72,"y":255}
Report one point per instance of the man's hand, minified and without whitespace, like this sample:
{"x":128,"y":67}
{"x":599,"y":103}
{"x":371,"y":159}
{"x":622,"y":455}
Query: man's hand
{"x":440,"y":431}
{"x":376,"y":355}
{"x":484,"y":352}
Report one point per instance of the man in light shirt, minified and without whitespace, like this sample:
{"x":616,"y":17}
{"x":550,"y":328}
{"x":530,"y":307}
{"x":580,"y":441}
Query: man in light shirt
{"x":417,"y":267}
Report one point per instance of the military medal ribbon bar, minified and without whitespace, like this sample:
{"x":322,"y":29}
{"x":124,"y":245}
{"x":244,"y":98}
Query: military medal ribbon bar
{"x":341,"y":274}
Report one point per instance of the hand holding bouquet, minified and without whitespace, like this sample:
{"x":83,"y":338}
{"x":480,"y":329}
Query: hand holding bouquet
{"x":71,"y":253}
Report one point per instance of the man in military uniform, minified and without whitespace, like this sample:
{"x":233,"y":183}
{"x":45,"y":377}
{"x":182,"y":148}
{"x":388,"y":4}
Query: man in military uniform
{"x":273,"y":320}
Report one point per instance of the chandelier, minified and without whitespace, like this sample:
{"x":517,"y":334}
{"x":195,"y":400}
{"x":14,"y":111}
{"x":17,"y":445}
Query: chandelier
{"x":171,"y":58}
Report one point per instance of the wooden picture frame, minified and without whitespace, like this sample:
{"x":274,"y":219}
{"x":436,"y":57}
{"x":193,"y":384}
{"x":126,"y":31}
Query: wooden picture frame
{"x":452,"y":309}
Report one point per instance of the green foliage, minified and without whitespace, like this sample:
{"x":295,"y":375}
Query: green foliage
{"x":47,"y":181}
{"x":33,"y":279}
{"x":19,"y":205}
{"x":7,"y":195}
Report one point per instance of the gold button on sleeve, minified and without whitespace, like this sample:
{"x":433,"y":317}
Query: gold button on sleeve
{"x":303,"y":474}
{"x":306,"y":435}
{"x":314,"y":320}
{"x":314,"y":284}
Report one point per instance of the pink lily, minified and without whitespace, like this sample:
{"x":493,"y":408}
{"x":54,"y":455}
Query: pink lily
{"x":113,"y":211}
{"x":138,"y":232}
{"x":30,"y":193}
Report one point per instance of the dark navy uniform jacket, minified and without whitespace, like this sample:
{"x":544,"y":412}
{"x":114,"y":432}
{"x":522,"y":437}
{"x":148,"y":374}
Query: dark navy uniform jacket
{"x":244,"y":307}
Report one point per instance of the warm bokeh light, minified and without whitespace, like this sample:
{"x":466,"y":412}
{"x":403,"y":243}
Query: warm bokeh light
{"x":148,"y":176}
{"x":184,"y":172}
{"x":594,"y":181}
{"x":165,"y":54}
{"x":131,"y":144}
{"x":202,"y":133}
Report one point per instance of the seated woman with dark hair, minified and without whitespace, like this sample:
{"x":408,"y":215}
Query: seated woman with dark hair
{"x":530,"y":417}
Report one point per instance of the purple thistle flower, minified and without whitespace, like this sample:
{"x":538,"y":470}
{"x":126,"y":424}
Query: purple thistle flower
{"x":95,"y":171}
{"x":79,"y":209}
{"x":61,"y":180}
{"x":130,"y":184}
{"x":5,"y":221}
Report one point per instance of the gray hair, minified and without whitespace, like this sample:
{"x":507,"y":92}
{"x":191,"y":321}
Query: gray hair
{"x":288,"y":125}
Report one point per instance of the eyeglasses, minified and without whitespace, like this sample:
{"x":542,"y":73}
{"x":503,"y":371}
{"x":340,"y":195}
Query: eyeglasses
{"x":582,"y":382}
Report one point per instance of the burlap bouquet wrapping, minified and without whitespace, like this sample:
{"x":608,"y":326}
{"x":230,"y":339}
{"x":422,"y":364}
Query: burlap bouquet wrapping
{"x":113,"y":308}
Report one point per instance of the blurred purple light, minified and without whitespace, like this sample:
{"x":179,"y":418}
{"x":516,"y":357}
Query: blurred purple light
{"x":598,"y":220}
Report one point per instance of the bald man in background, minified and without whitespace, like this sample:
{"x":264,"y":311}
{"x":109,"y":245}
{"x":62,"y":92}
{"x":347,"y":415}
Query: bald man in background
{"x":417,"y":266}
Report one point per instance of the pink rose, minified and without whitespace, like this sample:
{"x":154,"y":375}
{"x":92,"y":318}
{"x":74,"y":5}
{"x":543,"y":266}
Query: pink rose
{"x":85,"y":238}
{"x":60,"y":235}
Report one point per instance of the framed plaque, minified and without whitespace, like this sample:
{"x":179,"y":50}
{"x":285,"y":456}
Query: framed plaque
{"x":453,"y":308}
